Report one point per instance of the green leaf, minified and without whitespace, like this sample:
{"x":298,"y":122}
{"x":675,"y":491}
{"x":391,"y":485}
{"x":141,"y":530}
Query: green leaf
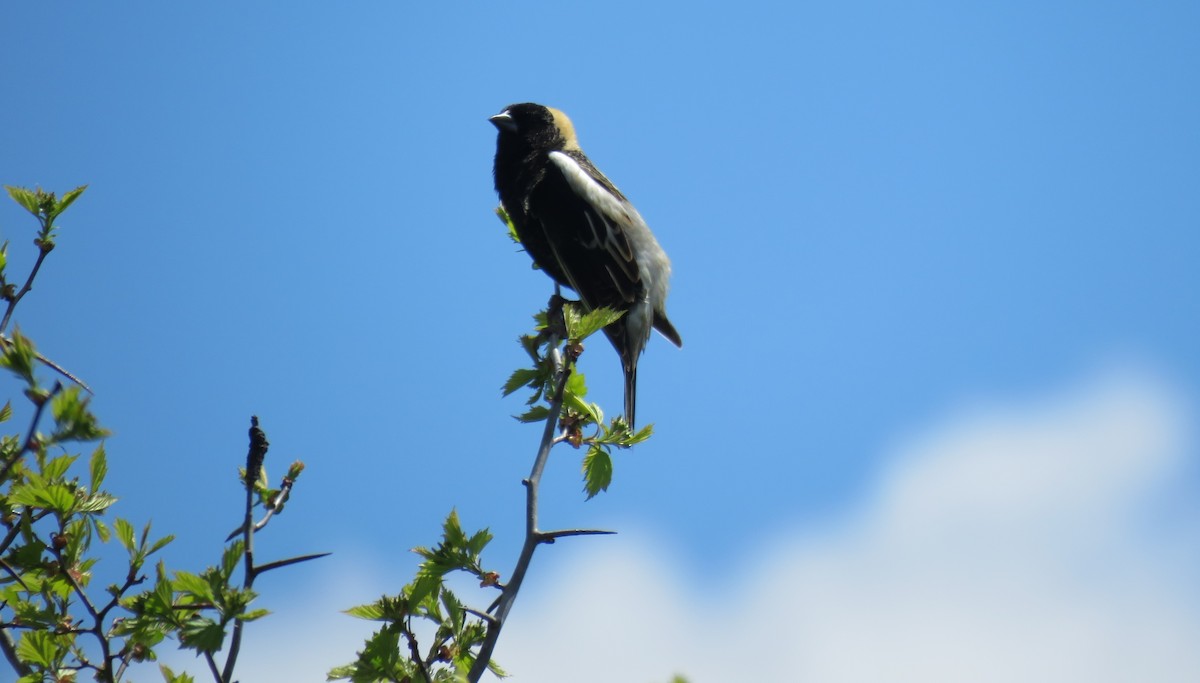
{"x":172,"y":677}
{"x":424,"y":586}
{"x":39,"y":648}
{"x":19,"y":356}
{"x":6,"y":411}
{"x":573,"y":402}
{"x":534,"y":414}
{"x":380,"y":660}
{"x":231,"y":557}
{"x":68,"y":198}
{"x":576,"y":384}
{"x":618,"y":434}
{"x":193,"y":585}
{"x":454,"y":609}
{"x":97,"y":502}
{"x":642,"y":434}
{"x":452,"y":531}
{"x":597,"y":471}
{"x":582,"y":327}
{"x":145,"y":537}
{"x":496,"y":670}
{"x":512,"y":229}
{"x":74,"y":421}
{"x":99,"y":467}
{"x":56,"y":497}
{"x":57,"y":467}
{"x":254,"y":614}
{"x":124,"y":531}
{"x":26,"y":494}
{"x":371,"y":612}
{"x":524,"y":377}
{"x":202,"y":635}
{"x":160,"y":544}
{"x":479,"y":541}
{"x":531,"y":342}
{"x":102,"y":530}
{"x":23,"y":197}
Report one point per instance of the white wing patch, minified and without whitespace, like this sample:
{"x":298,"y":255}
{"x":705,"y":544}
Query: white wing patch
{"x":619,"y":222}
{"x":638,"y":247}
{"x":593,"y":192}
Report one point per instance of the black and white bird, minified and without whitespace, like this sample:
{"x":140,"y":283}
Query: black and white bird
{"x":581,"y":230}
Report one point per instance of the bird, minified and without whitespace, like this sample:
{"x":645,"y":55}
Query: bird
{"x":582,"y":231}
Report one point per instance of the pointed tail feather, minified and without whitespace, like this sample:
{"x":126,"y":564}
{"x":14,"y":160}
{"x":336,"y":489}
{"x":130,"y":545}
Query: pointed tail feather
{"x":667,"y":330}
{"x":630,"y":390}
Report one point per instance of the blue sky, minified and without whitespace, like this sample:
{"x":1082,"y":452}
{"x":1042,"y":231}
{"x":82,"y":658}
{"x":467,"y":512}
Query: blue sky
{"x":882,"y":216}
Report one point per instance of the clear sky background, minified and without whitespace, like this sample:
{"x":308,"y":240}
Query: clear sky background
{"x":935,"y":271}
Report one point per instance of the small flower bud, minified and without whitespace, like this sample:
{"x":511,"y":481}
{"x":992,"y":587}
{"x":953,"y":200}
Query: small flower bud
{"x":574,"y":351}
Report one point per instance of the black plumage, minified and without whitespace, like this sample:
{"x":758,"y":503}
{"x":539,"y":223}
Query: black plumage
{"x":581,"y":230}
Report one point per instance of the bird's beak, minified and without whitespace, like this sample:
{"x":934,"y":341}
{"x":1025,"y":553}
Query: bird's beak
{"x":504,"y":122}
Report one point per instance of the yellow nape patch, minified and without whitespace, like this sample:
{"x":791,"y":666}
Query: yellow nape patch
{"x":565,"y":128}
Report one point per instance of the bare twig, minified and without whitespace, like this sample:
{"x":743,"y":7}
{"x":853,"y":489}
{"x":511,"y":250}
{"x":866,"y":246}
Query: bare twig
{"x":104,"y":671}
{"x":551,"y":536}
{"x":30,"y":444}
{"x":487,"y":618}
{"x":121,"y":669}
{"x":10,"y":653}
{"x":12,"y":573}
{"x":280,"y":498}
{"x":415,"y":654}
{"x":16,"y":298}
{"x":254,"y":461}
{"x":263,"y":568}
{"x":5,"y":341}
{"x":212,"y":666}
{"x":131,"y":580}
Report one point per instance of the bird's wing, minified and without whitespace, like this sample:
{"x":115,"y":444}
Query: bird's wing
{"x":589,"y":232}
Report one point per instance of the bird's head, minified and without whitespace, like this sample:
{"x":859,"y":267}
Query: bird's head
{"x":536,"y":126}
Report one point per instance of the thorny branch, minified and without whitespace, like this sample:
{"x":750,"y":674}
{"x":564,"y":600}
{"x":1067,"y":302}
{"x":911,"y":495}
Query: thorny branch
{"x":533,"y":537}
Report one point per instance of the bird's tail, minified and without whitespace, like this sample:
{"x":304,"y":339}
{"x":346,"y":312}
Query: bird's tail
{"x":629,"y":349}
{"x":630,"y":389}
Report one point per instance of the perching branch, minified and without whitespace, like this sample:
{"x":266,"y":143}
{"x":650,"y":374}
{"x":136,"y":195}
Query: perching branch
{"x":532,"y":536}
{"x":557,"y":404}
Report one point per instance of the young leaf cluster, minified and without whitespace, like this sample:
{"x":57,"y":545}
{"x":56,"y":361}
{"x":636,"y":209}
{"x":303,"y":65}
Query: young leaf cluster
{"x":207,"y":612}
{"x":51,"y":516}
{"x":394,"y":652}
{"x":55,"y":625}
{"x":46,"y":208}
{"x":581,"y":421}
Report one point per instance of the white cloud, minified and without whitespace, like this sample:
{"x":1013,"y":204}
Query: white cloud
{"x":1009,"y":544}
